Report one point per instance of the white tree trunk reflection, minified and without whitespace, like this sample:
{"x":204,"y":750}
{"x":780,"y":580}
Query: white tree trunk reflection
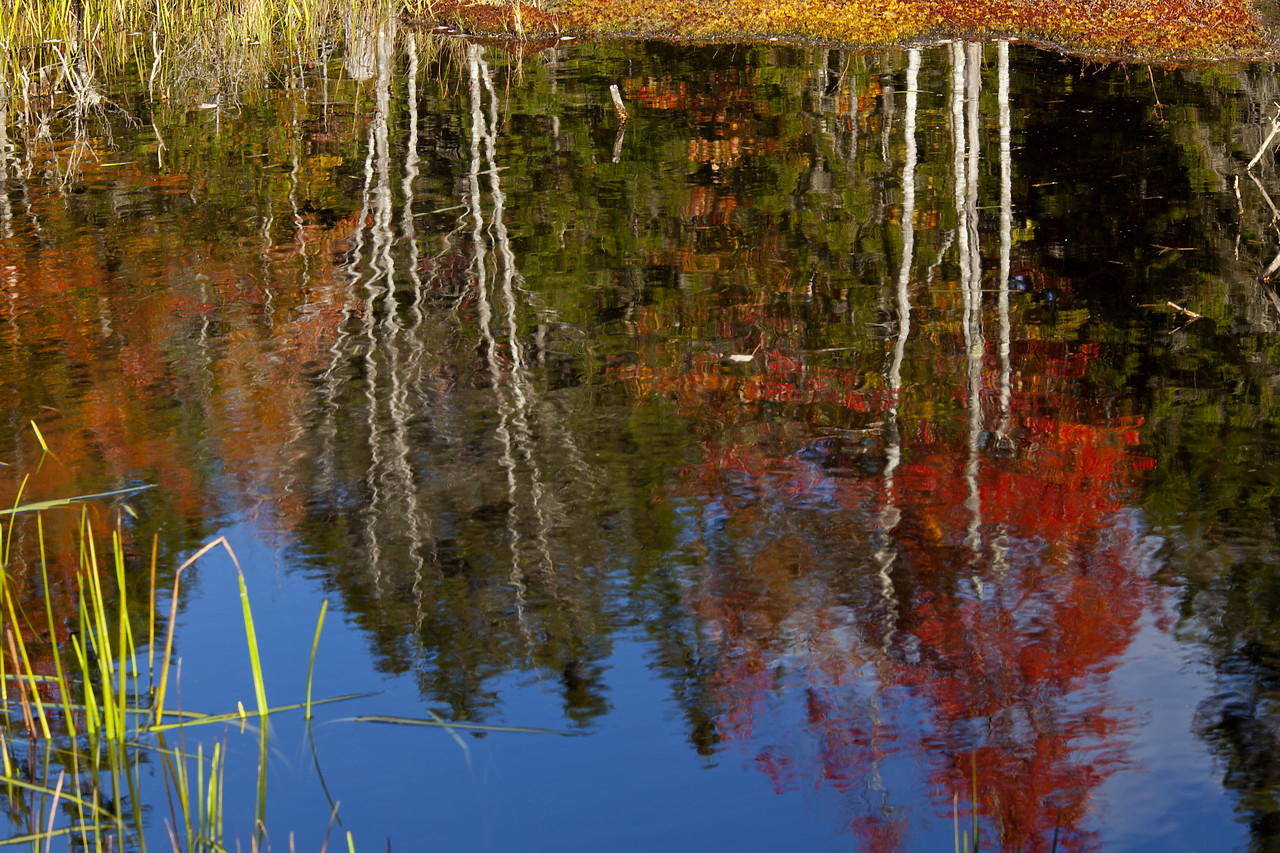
{"x":966,"y":84}
{"x":1001,"y":441}
{"x":890,"y":515}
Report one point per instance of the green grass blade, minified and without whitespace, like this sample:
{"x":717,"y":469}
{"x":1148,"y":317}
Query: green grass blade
{"x":34,"y":838}
{"x":63,"y":691}
{"x":151,"y":613}
{"x":453,"y":733}
{"x":99,"y":633}
{"x":314,"y":645}
{"x":201,"y":828}
{"x":261,"y":824}
{"x":255,"y":660}
{"x":195,"y":718}
{"x":437,"y":722}
{"x":8,"y":539}
{"x":43,"y":444}
{"x":90,"y":699}
{"x":128,"y":650}
{"x":175,"y":771}
{"x":10,"y":779}
{"x":4,"y":674}
{"x":39,"y":506}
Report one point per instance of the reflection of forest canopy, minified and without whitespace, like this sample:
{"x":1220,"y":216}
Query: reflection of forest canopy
{"x":424,"y":325}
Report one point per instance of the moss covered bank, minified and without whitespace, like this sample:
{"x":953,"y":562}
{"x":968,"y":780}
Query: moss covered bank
{"x":1135,"y":29}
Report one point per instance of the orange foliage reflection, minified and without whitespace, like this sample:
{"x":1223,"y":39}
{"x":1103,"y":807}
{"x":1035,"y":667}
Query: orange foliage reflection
{"x":134,"y":385}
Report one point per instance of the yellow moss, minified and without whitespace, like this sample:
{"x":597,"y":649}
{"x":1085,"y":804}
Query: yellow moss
{"x":1139,"y":28}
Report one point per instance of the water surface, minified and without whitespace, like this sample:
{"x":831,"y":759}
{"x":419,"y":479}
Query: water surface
{"x":837,"y":429}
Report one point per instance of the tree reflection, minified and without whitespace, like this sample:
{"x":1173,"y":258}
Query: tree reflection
{"x":470,"y":368}
{"x":987,"y":576}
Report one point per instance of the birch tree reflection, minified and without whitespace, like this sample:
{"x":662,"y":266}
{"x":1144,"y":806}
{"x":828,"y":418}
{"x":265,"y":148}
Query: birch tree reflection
{"x":451,"y":466}
{"x":949,"y":608}
{"x":472,"y":371}
{"x":916,"y":500}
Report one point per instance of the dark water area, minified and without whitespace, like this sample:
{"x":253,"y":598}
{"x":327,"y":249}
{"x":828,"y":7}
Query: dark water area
{"x":844,"y":445}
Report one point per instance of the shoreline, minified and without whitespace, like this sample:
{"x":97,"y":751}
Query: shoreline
{"x":1159,"y":31}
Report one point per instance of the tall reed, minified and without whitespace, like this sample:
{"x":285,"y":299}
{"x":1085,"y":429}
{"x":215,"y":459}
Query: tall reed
{"x":53,"y":47}
{"x":72,"y":741}
{"x":72,"y":737}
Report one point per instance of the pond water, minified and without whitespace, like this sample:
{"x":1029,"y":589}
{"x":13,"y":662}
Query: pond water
{"x":843,"y":443}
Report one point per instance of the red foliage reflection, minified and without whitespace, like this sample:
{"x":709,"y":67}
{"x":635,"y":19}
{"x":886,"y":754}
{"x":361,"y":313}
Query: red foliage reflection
{"x":958,"y":610}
